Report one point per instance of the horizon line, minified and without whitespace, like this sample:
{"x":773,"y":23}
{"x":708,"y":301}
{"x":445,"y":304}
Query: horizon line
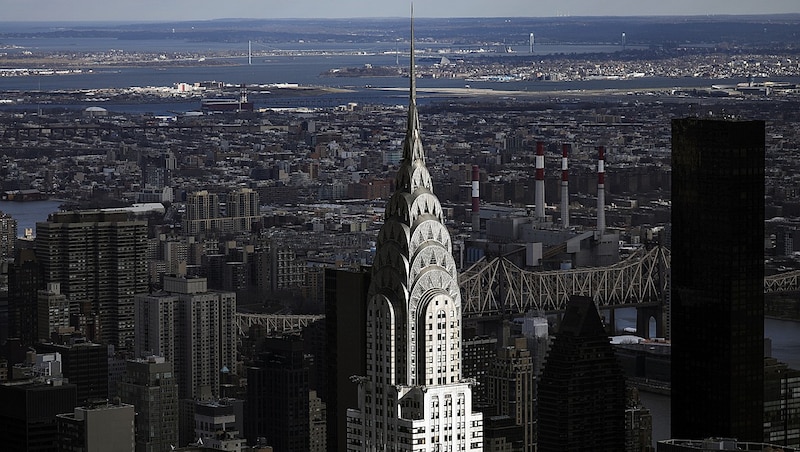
{"x":564,"y":16}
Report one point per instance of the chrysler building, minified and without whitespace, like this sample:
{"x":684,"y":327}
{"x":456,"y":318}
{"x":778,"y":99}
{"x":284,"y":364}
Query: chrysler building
{"x":413,"y":397}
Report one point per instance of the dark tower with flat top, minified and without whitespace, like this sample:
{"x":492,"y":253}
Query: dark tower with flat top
{"x":717,"y":279}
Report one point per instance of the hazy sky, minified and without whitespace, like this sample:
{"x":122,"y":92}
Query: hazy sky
{"x":170,"y":10}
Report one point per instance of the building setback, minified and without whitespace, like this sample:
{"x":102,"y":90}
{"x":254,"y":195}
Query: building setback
{"x":717,"y":322}
{"x":413,"y":396}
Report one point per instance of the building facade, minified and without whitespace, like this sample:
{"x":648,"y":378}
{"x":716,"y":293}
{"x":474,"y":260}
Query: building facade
{"x":52,"y":311}
{"x":781,"y":404}
{"x":85,"y":365}
{"x":150,"y":386}
{"x":28,"y":413}
{"x":717,"y":305}
{"x":581,"y":391}
{"x":278,"y":396}
{"x":192,"y":327}
{"x":413,"y":396}
{"x":8,"y":236}
{"x":511,"y":389}
{"x":101,"y":427}
{"x":100,"y":260}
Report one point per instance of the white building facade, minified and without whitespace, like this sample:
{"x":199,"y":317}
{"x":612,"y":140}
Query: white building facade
{"x":413,"y":396}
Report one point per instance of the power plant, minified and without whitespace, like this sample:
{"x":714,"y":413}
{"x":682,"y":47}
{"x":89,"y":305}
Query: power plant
{"x":531,"y":237}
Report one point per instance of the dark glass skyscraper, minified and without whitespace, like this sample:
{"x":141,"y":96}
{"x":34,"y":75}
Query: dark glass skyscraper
{"x":717,"y":279}
{"x":581,"y":391}
{"x":277,"y":396}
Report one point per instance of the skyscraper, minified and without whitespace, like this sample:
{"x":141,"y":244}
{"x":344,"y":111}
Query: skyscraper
{"x":24,"y":282}
{"x":581,"y":392}
{"x":242,"y":209}
{"x":150,"y":386}
{"x":345,"y":323}
{"x":100,"y":260}
{"x":717,"y":279}
{"x":413,"y":396}
{"x":192,"y":327}
{"x":195,"y":329}
{"x":277,"y":396}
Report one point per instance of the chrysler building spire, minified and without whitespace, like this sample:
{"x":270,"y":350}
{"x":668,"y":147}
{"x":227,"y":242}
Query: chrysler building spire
{"x":413,"y":396}
{"x":413,"y":153}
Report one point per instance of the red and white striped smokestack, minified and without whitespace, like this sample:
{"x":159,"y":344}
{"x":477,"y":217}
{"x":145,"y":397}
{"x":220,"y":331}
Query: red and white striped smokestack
{"x":476,"y":199}
{"x":565,"y":148}
{"x":539,"y":180}
{"x":601,"y":189}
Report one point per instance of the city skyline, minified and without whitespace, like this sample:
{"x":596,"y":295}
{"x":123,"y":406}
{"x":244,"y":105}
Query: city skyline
{"x":93,"y":10}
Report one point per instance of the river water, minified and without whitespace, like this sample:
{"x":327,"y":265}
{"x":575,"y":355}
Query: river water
{"x":285,"y":63}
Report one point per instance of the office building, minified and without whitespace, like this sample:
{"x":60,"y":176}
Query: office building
{"x":97,"y":427}
{"x":345,"y":336}
{"x":85,"y":365}
{"x":511,"y":390}
{"x":413,"y":392}
{"x":478,"y":353}
{"x":278,"y":395}
{"x":100,"y":261}
{"x":24,"y":282}
{"x":717,"y":304}
{"x":28,"y":413}
{"x":581,"y":391}
{"x":150,"y":386}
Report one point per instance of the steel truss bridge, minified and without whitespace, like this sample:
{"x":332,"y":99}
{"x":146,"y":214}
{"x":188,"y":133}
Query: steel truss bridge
{"x":497,"y":286}
{"x":273,"y":322}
